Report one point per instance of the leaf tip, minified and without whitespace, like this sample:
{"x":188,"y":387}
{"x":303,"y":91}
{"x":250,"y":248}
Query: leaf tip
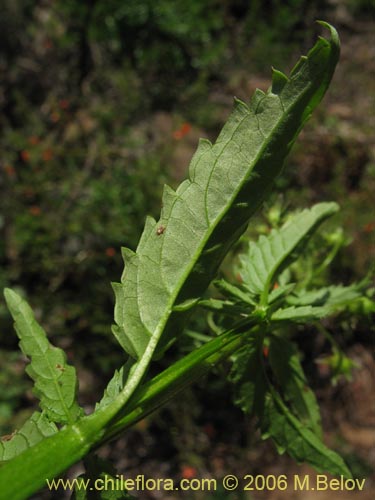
{"x":334,"y":35}
{"x":239,"y":103}
{"x":298,"y":65}
{"x":334,"y":42}
{"x":279,"y":80}
{"x":127,"y":254}
{"x":11,"y":297}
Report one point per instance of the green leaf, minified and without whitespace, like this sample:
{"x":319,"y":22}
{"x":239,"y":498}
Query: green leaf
{"x":299,"y":314}
{"x":36,"y":428}
{"x":330,"y":296}
{"x":290,"y":435}
{"x":55,"y":380}
{"x":255,"y":395}
{"x":315,"y":304}
{"x":225,"y":307}
{"x":280,"y":293}
{"x":50,"y":457}
{"x":266,"y":258}
{"x":285,"y":364}
{"x":248,"y":377}
{"x":115,"y":385}
{"x":179,"y":255}
{"x":234,"y":292}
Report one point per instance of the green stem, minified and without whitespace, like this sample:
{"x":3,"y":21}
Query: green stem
{"x":52,"y":456}
{"x":174,"y":379}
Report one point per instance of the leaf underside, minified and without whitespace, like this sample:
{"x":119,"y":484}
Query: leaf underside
{"x":178,"y":256}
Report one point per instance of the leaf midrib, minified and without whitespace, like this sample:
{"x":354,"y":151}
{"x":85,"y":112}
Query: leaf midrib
{"x":142,"y":364}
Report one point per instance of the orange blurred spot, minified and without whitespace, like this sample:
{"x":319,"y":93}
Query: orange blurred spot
{"x":33,"y":140}
{"x":35,"y":210}
{"x":64,"y":104}
{"x":142,"y":425}
{"x":266,"y":351}
{"x":47,"y":155}
{"x":110,"y":252}
{"x":182,"y":131}
{"x":9,"y":170}
{"x":28,"y":192}
{"x":55,"y":117}
{"x":276,"y":286}
{"x":188,"y":472}
{"x":47,"y":44}
{"x":369,"y":228}
{"x":25,"y":155}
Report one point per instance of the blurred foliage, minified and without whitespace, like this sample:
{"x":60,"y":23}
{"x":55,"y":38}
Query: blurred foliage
{"x":83,"y":159}
{"x":362,"y":7}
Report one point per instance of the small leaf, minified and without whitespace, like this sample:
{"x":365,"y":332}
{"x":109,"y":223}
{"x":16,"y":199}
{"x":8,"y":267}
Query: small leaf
{"x":290,"y":435}
{"x":234,"y":292}
{"x":248,"y":377}
{"x":280,"y":292}
{"x":266,"y":258}
{"x":55,"y":380}
{"x":115,"y":385}
{"x":298,"y":314}
{"x":36,"y":428}
{"x":285,"y":364}
{"x":331,"y":296}
{"x":225,"y":307}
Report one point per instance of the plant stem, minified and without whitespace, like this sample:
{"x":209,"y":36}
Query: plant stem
{"x":174,"y":379}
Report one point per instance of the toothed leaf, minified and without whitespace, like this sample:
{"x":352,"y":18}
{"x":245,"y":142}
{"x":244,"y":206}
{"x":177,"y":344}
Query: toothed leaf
{"x":55,"y":380}
{"x":293,"y":437}
{"x":179,"y":255}
{"x":36,"y":428}
{"x":280,"y":292}
{"x":234,"y":292}
{"x":330,"y":296}
{"x":285,"y":364}
{"x":266,"y":258}
{"x":297,"y":314}
{"x":225,"y":307}
{"x":115,"y":385}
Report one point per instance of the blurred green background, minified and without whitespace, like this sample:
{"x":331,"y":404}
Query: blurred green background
{"x":103,"y":102}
